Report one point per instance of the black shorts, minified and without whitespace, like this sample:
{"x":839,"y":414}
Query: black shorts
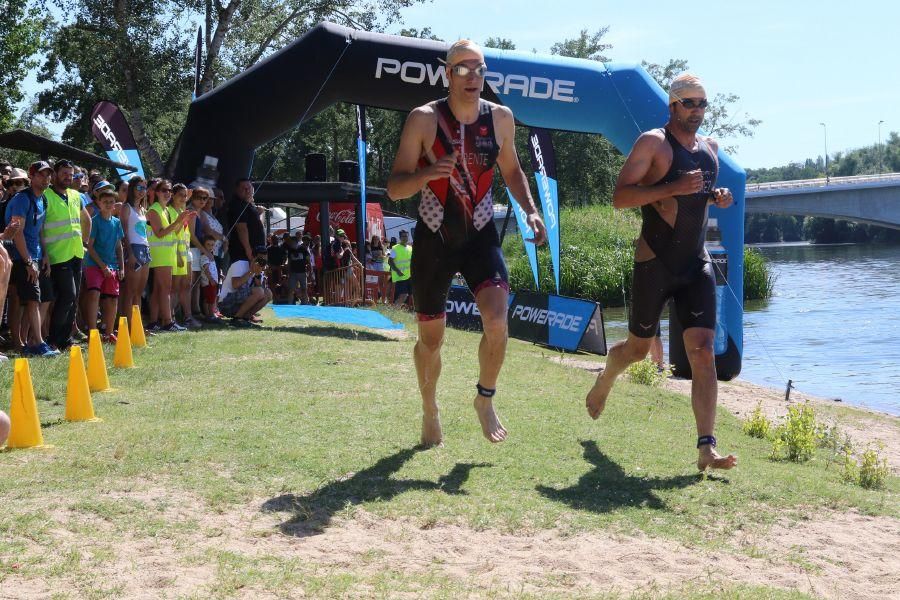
{"x":435,"y":261}
{"x":42,"y":291}
{"x":693,"y":294}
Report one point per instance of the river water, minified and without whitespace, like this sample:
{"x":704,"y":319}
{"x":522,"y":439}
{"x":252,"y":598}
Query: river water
{"x":833,"y":326}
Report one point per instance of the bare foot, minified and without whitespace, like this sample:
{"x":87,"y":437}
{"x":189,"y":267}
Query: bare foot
{"x":596,"y":398}
{"x":490,"y":424}
{"x":431,"y":429}
{"x":710,"y":459}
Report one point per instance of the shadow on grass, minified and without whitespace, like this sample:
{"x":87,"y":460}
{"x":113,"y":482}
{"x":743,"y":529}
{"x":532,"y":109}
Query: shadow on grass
{"x":334,"y":332}
{"x":607,"y":487}
{"x":312,"y":513}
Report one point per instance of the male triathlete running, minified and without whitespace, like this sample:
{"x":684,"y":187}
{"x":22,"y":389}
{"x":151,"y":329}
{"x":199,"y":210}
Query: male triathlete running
{"x":447,"y":151}
{"x":670,"y":175}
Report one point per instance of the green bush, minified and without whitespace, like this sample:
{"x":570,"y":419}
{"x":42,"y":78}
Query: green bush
{"x":597,"y":255}
{"x":796,"y":439}
{"x":646,"y":372}
{"x":873,"y":471}
{"x":758,"y":425}
{"x":758,"y":280}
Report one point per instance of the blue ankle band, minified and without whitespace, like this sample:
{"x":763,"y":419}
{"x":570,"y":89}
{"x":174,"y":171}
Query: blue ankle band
{"x":704,"y":440}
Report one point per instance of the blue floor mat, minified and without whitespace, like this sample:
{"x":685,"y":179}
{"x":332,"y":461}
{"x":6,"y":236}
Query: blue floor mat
{"x":336,"y":314}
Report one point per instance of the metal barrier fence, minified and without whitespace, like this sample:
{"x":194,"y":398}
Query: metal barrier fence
{"x":343,"y":286}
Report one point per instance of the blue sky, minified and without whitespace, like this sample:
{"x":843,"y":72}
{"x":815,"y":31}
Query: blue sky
{"x":794,"y":64}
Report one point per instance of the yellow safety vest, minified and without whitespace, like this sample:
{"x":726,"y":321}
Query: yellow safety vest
{"x":182,"y":244}
{"x":162,"y":250}
{"x":62,"y":226}
{"x":402,"y":262}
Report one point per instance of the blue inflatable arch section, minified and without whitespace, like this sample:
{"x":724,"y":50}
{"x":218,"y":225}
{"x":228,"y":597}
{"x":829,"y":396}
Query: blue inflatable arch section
{"x":332,"y":64}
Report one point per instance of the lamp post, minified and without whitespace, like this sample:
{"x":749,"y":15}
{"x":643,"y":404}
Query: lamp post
{"x":825,"y":133}
{"x":880,"y":149}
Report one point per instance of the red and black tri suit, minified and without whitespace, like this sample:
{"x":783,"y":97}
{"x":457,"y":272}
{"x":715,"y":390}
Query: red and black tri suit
{"x":455,"y":232}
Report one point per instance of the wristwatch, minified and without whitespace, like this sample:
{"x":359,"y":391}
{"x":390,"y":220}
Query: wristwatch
{"x":29,"y":262}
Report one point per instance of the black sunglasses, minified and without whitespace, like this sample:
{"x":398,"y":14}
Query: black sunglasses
{"x":694,"y":103}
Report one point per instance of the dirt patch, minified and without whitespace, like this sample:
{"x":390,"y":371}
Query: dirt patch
{"x":741,"y":398}
{"x":832,"y":555}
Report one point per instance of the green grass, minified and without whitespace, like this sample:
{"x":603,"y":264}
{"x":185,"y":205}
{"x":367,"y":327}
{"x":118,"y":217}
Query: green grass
{"x":309,"y":422}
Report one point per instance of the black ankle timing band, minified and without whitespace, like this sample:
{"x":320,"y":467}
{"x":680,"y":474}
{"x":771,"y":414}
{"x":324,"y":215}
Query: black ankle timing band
{"x":704,"y":440}
{"x":483,"y":391}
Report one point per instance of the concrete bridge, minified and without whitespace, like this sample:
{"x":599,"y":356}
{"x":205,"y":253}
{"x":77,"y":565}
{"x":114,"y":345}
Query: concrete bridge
{"x":872,"y":199}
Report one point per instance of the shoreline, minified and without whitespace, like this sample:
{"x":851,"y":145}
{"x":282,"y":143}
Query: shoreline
{"x":863,"y":425}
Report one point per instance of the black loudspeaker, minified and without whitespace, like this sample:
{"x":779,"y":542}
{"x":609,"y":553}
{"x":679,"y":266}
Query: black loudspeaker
{"x":348,"y":171}
{"x":316,"y":168}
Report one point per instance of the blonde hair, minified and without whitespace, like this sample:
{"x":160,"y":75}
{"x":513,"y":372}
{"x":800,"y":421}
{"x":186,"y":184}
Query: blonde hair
{"x":462,"y":46}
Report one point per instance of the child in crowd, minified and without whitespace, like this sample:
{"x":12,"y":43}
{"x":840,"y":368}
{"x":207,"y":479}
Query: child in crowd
{"x":209,"y":280}
{"x":104,"y":264}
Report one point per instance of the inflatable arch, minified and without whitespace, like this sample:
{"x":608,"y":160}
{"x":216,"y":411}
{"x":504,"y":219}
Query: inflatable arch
{"x":332,"y":63}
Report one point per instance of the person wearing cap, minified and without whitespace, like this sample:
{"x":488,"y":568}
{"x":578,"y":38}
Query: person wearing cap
{"x":449,"y":151}
{"x":29,"y":275}
{"x":670,"y":174}
{"x":399,"y":261}
{"x":66,"y":228}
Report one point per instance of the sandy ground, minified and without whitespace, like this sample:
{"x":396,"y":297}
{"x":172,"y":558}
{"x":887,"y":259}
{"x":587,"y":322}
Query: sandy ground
{"x":830,"y":555}
{"x":864,"y":426}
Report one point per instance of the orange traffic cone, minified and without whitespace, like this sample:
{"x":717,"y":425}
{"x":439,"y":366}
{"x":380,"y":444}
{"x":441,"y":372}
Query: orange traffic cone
{"x":122,"y":357}
{"x":25,"y":430}
{"x":138,"y":339}
{"x":79,"y":406}
{"x":98,"y":381}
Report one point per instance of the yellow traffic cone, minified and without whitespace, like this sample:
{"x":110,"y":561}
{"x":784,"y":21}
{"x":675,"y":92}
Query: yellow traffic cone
{"x":78,"y":394}
{"x":25,"y":430}
{"x":122,"y":357}
{"x":98,"y":381}
{"x":138,"y":339}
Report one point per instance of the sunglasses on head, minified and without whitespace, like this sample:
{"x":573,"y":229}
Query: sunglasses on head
{"x":694,"y":103}
{"x":462,"y":70}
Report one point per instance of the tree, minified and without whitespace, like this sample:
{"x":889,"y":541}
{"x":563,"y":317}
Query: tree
{"x":499,"y":43}
{"x":29,"y":121}
{"x":717,"y":122}
{"x":585,"y":45}
{"x":21,"y":35}
{"x":138,"y":53}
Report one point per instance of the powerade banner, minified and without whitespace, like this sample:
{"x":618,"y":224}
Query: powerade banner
{"x":463,"y":313}
{"x":112,"y":131}
{"x":527,"y":234}
{"x":543,"y":161}
{"x":332,"y":63}
{"x":555,"y":321}
{"x":361,"y":151}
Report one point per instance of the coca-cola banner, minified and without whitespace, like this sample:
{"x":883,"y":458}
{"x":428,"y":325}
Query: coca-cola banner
{"x":343,"y":216}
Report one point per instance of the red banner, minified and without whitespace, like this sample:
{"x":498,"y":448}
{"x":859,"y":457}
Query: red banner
{"x":343,"y":216}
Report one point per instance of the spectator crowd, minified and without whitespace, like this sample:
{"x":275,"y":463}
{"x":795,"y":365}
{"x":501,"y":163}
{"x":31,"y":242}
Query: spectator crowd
{"x":78,"y":251}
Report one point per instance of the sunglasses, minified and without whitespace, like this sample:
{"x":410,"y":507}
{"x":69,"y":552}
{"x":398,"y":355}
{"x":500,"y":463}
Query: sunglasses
{"x":16,"y":183}
{"x":141,"y":188}
{"x":78,"y":176}
{"x":163,"y":190}
{"x":461,"y":70}
{"x":694,"y":103}
{"x":196,"y":197}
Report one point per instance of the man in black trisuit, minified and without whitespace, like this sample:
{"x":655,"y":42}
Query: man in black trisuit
{"x":670,"y":174}
{"x":448,"y":150}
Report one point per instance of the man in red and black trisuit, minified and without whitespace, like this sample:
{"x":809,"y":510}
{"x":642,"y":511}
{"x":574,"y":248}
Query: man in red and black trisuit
{"x":448,"y":150}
